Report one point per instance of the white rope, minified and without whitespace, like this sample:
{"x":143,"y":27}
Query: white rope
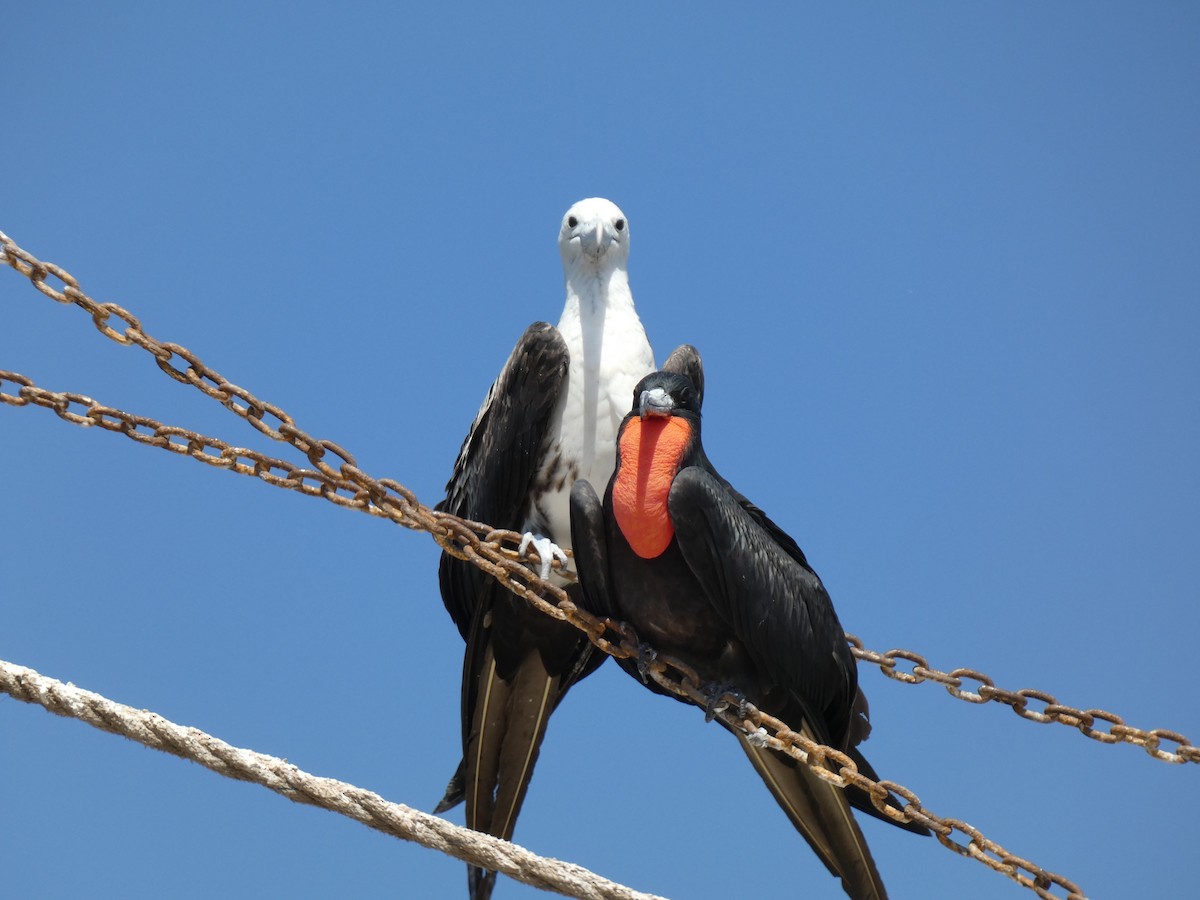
{"x":280,"y":776}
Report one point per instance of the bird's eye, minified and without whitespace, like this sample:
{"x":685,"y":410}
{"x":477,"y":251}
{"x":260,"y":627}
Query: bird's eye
{"x":572,"y":222}
{"x":620,"y":224}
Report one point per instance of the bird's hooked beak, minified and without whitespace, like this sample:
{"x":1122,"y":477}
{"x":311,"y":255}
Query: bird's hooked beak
{"x":595,"y":241}
{"x":655,"y":402}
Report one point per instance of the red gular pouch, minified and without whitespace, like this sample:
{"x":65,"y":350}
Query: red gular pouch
{"x":649,"y":455}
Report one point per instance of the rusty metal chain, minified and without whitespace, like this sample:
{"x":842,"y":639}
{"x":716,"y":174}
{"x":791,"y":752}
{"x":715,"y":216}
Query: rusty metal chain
{"x":616,"y":639}
{"x":838,"y":769}
{"x":383,"y":497}
{"x":491,"y":550}
{"x":347,"y":486}
{"x":210,"y":450}
{"x":1085,"y":720}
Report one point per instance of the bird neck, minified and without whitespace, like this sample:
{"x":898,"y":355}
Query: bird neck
{"x":608,"y":353}
{"x":593,"y":293}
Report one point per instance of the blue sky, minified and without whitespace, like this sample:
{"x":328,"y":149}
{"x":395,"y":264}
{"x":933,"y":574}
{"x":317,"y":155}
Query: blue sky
{"x":942,"y":263}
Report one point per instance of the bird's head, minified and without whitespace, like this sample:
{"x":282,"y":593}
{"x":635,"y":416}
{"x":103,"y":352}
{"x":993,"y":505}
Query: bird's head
{"x":594,"y":232}
{"x":658,"y":439}
{"x":666,"y":394}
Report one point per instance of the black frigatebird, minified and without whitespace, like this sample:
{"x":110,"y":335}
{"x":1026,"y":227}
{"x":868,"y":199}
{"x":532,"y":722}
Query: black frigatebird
{"x":550,"y":417}
{"x":702,"y":574}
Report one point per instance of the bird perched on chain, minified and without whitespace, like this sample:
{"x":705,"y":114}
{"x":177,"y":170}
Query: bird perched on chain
{"x":702,"y":574}
{"x":550,"y":417}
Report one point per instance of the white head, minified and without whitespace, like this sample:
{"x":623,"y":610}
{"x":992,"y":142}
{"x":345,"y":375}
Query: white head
{"x":595,"y":233}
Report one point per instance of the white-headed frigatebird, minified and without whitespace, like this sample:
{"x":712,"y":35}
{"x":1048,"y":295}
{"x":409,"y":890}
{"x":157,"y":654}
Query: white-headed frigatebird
{"x":550,"y":417}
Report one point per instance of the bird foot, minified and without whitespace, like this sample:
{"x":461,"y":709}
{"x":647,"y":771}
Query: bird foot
{"x":646,"y":655}
{"x":547,"y":552}
{"x":758,"y":738}
{"x":456,"y":791}
{"x":716,"y":692}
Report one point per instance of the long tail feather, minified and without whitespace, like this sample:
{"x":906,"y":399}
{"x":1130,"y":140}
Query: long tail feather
{"x":510,"y":723}
{"x":821,"y":813}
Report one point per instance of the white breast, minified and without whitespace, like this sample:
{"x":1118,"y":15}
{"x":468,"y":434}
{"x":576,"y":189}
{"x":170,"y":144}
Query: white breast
{"x":609,"y":356}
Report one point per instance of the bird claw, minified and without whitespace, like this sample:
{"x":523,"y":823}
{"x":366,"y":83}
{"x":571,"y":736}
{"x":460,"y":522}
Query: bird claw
{"x":758,"y":738}
{"x":646,"y":655}
{"x":547,"y":552}
{"x":716,"y":694}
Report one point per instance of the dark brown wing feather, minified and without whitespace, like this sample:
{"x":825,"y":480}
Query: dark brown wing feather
{"x":776,"y":607}
{"x":497,"y":465}
{"x":780,"y":611}
{"x":518,"y":663}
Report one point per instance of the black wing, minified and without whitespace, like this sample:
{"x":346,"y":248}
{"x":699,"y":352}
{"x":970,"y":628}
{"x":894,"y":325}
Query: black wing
{"x":779,"y":610}
{"x":776,"y":607}
{"x":589,"y":544}
{"x":518,"y":663}
{"x":498,"y":462}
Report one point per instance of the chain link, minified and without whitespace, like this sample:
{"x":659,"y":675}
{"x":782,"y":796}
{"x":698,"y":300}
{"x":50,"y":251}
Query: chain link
{"x":494,"y":552}
{"x":210,"y":450}
{"x":1112,"y":729}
